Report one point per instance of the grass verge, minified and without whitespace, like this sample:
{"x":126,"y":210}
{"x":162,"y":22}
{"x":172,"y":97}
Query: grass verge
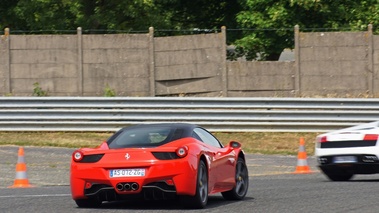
{"x":252,"y":142}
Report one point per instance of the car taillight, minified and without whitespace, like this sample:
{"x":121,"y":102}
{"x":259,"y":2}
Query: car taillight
{"x":322,"y":139}
{"x":182,"y":151}
{"x":370,"y":137}
{"x":77,"y":156}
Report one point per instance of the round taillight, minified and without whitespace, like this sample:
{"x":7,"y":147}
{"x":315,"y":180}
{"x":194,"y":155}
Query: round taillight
{"x":322,"y":139}
{"x":77,"y":156}
{"x":182,"y":151}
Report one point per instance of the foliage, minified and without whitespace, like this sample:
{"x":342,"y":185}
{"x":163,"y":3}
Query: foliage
{"x":270,"y":23}
{"x":42,"y":14}
{"x":54,"y":15}
{"x":38,"y":91}
{"x":203,"y":16}
{"x":260,"y":29}
{"x":117,"y":15}
{"x":109,"y":92}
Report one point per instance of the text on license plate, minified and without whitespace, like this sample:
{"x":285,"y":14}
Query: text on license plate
{"x":345,"y":159}
{"x":126,"y":173}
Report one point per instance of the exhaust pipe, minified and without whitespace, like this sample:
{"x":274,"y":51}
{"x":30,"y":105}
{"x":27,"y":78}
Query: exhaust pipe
{"x":134,"y":186}
{"x":120,"y":187}
{"x":127,"y":186}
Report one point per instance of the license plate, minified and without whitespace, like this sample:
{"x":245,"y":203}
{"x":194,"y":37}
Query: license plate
{"x":126,"y":173}
{"x":345,"y":159}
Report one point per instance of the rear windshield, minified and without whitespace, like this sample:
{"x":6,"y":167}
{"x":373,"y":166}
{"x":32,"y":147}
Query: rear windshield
{"x":142,"y":137}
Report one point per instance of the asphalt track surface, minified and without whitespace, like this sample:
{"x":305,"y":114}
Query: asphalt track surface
{"x":273,"y":188}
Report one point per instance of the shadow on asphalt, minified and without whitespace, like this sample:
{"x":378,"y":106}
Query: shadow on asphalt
{"x":213,"y":202}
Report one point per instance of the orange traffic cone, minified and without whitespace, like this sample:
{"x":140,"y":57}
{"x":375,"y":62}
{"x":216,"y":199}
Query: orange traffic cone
{"x":21,"y":180}
{"x":302,"y":162}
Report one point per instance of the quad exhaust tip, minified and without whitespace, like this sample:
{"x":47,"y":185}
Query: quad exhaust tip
{"x":120,"y":187}
{"x":134,"y":186}
{"x":127,"y":186}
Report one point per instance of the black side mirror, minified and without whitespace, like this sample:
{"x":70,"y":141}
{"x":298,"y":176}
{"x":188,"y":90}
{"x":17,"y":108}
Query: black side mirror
{"x":235,"y":144}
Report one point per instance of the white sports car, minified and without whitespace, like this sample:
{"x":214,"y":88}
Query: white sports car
{"x":343,"y":153}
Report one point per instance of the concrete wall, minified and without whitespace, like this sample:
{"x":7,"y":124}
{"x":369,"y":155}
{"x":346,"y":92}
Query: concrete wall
{"x":119,"y":61}
{"x":334,"y":63}
{"x":261,"y":78}
{"x":50,"y":60}
{"x":337,"y":64}
{"x":4,"y":64}
{"x":189,"y":65}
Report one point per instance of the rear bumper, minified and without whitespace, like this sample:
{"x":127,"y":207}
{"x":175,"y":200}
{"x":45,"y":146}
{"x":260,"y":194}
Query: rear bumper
{"x":152,"y":191}
{"x":365,"y":164}
{"x":92,"y":180}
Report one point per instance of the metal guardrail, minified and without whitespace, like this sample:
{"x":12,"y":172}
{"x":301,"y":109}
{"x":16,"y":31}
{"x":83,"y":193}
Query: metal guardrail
{"x":215,"y":114}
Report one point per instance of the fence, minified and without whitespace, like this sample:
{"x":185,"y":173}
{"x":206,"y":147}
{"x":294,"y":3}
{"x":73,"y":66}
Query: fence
{"x":326,"y":64}
{"x":215,"y":114}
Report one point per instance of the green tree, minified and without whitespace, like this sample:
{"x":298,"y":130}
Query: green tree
{"x":7,"y":17}
{"x":270,"y":23}
{"x":127,"y":15}
{"x":58,"y":15}
{"x":267,"y":25}
{"x":48,"y":15}
{"x":210,"y":14}
{"x":123,"y":15}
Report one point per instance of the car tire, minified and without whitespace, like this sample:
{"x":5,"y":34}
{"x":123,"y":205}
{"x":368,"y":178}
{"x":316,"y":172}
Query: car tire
{"x":242,"y":182}
{"x":88,"y":203}
{"x":339,"y":177}
{"x":200,"y":199}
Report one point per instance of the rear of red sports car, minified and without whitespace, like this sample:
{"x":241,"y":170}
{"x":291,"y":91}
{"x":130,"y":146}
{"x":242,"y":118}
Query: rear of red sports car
{"x":150,"y":173}
{"x":156,"y":162}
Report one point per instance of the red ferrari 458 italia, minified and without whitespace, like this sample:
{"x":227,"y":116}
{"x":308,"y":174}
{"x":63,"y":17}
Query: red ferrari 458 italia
{"x":159,"y":161}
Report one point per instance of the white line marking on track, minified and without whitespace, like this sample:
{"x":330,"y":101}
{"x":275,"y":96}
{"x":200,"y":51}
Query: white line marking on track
{"x":23,"y":196}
